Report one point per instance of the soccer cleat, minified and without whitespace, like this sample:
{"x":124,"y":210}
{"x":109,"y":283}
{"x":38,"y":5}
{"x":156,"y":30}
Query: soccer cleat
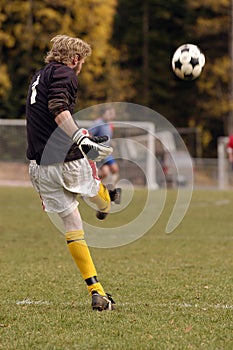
{"x":115,"y":195}
{"x":102,"y":302}
{"x":101,"y":215}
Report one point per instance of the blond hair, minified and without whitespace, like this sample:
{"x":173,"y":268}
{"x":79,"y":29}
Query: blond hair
{"x":65,"y":48}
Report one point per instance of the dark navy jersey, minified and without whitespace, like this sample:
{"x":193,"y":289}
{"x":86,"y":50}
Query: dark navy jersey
{"x":53,"y":89}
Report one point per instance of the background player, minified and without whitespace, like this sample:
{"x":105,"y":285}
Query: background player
{"x":229,"y":147}
{"x":108,"y":167}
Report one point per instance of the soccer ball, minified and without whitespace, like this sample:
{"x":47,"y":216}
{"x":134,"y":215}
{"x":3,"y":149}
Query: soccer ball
{"x":188,"y":62}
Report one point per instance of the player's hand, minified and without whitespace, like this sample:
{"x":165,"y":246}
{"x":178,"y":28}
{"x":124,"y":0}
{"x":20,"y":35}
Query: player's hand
{"x":92,"y":148}
{"x":99,"y":139}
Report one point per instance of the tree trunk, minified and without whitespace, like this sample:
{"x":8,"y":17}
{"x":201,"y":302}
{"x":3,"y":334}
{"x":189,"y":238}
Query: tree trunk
{"x":145,"y":53}
{"x":229,"y":125}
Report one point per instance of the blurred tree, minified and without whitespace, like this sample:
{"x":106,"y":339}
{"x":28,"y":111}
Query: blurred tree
{"x":212,"y":31}
{"x":103,"y":80}
{"x":133,"y":43}
{"x":26,"y":27}
{"x":148,"y":39}
{"x":6,"y":42}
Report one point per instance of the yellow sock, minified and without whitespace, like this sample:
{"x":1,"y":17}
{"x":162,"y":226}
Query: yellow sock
{"x":95,"y":286}
{"x":102,"y":199}
{"x":80,"y":252}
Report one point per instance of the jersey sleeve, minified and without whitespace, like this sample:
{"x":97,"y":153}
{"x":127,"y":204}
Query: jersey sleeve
{"x":62,"y":90}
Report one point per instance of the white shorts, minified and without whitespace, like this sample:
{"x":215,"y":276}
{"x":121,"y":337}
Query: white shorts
{"x":58,"y":184}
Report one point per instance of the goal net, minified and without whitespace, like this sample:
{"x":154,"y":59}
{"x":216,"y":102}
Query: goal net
{"x":13,"y":140}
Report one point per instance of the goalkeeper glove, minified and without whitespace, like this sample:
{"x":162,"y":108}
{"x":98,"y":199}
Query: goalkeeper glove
{"x":91,"y":147}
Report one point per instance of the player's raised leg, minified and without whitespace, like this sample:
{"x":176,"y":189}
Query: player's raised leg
{"x":103,"y":202}
{"x":105,"y":195}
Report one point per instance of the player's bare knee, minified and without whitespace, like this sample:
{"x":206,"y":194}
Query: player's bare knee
{"x":104,"y":171}
{"x":74,"y":236}
{"x":114,"y":168}
{"x":72,"y":221}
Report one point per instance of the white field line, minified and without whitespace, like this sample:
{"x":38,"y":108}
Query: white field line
{"x":32,"y":302}
{"x":184,"y":305}
{"x":188,"y":305}
{"x":15,"y":183}
{"x":218,"y":203}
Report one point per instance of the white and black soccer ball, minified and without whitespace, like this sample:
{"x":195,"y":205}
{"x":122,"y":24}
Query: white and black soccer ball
{"x":188,"y":62}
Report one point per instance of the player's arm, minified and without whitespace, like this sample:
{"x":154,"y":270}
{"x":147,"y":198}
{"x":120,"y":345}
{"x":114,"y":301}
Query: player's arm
{"x":62,"y":90}
{"x":90,"y":147}
{"x":66,"y":122}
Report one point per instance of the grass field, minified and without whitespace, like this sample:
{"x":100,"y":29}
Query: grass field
{"x":172,"y":291}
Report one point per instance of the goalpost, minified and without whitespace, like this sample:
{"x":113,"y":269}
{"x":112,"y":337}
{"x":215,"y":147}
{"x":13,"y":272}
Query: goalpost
{"x":224,"y":171}
{"x":134,"y":141}
{"x":134,"y":144}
